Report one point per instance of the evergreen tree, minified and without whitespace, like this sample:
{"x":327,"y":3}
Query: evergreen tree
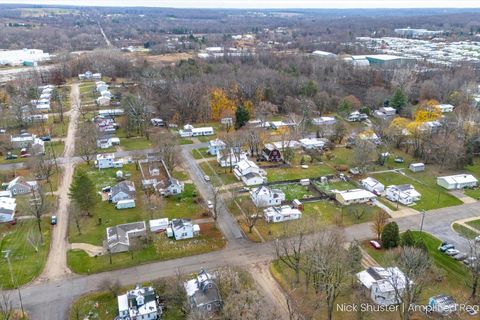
{"x":390,"y":236}
{"x":398,"y":100}
{"x":407,"y":239}
{"x":241,"y":117}
{"x":354,"y":257}
{"x":83,"y":193}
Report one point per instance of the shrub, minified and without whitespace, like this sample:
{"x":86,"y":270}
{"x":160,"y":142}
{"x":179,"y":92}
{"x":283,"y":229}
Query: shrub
{"x":390,"y":236}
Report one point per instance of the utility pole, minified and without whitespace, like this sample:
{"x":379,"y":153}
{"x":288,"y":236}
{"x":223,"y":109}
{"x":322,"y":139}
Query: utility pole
{"x":7,"y":256}
{"x":423,"y":217}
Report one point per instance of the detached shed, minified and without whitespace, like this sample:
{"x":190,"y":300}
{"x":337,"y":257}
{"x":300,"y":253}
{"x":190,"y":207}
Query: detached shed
{"x":125,"y":204}
{"x":417,"y":167}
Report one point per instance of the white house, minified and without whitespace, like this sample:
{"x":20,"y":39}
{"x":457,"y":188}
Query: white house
{"x":417,"y":167}
{"x":119,"y":237}
{"x":8,"y":207}
{"x":404,"y":194}
{"x":111,"y":112}
{"x":174,"y":187}
{"x":190,"y":131}
{"x":230,"y":159}
{"x":278,"y":124}
{"x":264,"y":196}
{"x":324,"y":121}
{"x":312,"y":143}
{"x":140,"y":303}
{"x":458,"y":181}
{"x":107,"y":160}
{"x":352,"y":196}
{"x":101,"y":86}
{"x":249,"y":173}
{"x":385,"y":285}
{"x":445,"y":108}
{"x":124,"y":190}
{"x":103,"y":101}
{"x":214,"y":146}
{"x":281,"y":214}
{"x":370,"y":136}
{"x":373,"y":185}
{"x":183,"y":229}
{"x":357,"y":116}
{"x":23,"y":140}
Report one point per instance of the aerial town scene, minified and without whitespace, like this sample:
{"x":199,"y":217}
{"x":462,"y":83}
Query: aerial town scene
{"x":239,"y":160}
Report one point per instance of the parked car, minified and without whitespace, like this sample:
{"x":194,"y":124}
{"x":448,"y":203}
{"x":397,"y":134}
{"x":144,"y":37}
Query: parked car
{"x":209,"y":204}
{"x":477,"y":239}
{"x":3,"y":131}
{"x":452,"y":252}
{"x":469,"y":260}
{"x":106,"y":189}
{"x":25,"y":155}
{"x":13,"y":222}
{"x":53,"y":220}
{"x":46,"y":137}
{"x":207,"y":178}
{"x":461,"y":256}
{"x":375,"y":244}
{"x":11,"y":156}
{"x":445,"y":246}
{"x":399,"y":160}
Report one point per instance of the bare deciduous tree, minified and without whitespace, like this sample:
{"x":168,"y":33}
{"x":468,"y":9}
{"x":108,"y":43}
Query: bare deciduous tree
{"x":166,"y":145}
{"x":6,"y":306}
{"x":290,"y":250}
{"x":380,"y":219}
{"x":87,"y":143}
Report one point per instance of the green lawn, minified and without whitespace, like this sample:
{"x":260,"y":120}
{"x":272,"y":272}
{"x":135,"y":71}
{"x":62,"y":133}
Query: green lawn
{"x":433,"y":196}
{"x":186,"y":141}
{"x":186,"y":205}
{"x":294,"y":191}
{"x":296,"y":172}
{"x":27,"y":264}
{"x":315,"y":215}
{"x":201,"y":153}
{"x":336,"y":185}
{"x":213,"y":169}
{"x":474,"y":223}
{"x":159,"y":248}
{"x":464,"y":231}
{"x":135,"y":143}
{"x":474,"y":193}
{"x":457,"y":275}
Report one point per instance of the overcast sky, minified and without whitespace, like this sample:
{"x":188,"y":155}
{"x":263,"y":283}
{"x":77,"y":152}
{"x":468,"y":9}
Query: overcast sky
{"x":265,"y":3}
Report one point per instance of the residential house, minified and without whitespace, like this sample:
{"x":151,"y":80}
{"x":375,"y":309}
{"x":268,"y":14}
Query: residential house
{"x":24,"y":140}
{"x":107,"y":160}
{"x":183,"y":229}
{"x":103,"y":101}
{"x":404,"y":194}
{"x":322,"y":121}
{"x":107,"y":141}
{"x":385,"y":285}
{"x":8,"y":207}
{"x":203,"y":293}
{"x":264,"y":196}
{"x":373,"y":185}
{"x":20,"y":186}
{"x":157,"y":122}
{"x":281,"y":214}
{"x":101,"y":87}
{"x":385,"y":112}
{"x":169,"y":186}
{"x":278,"y":124}
{"x":458,"y":181}
{"x":120,"y":237}
{"x":445,"y":108}
{"x":106,"y":94}
{"x":352,"y":196}
{"x":430,"y":126}
{"x":249,"y":173}
{"x":312,"y":143}
{"x":442,"y":304}
{"x":190,"y":131}
{"x":226,"y":121}
{"x":124,"y":190}
{"x":230,"y":159}
{"x":214,"y":146}
{"x":281,"y":145}
{"x":140,"y":303}
{"x":257,"y":123}
{"x":271,"y":153}
{"x":111,"y":112}
{"x":357,"y":116}
{"x":370,"y":136}
{"x":159,"y":225}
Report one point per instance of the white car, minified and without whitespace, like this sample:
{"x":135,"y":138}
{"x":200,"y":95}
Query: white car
{"x":452,"y":252}
{"x":477,"y":239}
{"x":207,"y":178}
{"x":209,"y":204}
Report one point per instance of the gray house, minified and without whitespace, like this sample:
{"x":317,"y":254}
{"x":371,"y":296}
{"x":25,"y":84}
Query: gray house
{"x":20,"y":186}
{"x":124,"y":190}
{"x":119,"y":237}
{"x":203,"y":293}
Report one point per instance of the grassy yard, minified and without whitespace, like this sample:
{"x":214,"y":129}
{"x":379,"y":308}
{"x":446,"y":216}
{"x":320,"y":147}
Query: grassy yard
{"x":186,"y":141}
{"x":213,"y":169}
{"x":201,"y":153}
{"x":135,"y":143}
{"x":474,"y":193}
{"x":296,"y":172}
{"x":457,"y":276}
{"x":336,"y":185}
{"x":474,"y":223}
{"x":159,"y":248}
{"x":464,"y":231}
{"x":433,"y":196}
{"x":294,"y":191}
{"x":315,"y":215}
{"x":26,"y":262}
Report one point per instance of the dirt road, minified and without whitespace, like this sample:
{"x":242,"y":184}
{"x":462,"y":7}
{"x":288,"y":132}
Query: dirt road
{"x":56,"y":266}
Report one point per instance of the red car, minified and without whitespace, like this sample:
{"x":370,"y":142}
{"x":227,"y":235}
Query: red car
{"x":375,"y":244}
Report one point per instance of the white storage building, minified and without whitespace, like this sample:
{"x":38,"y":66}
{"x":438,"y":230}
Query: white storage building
{"x":458,"y":181}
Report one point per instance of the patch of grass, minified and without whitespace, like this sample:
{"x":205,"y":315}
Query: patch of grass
{"x":294,"y":191}
{"x":474,"y":193}
{"x":464,"y":231}
{"x":335,"y":185}
{"x":180,"y":175}
{"x":296,"y":172}
{"x":201,"y":153}
{"x":433,"y":196}
{"x":186,"y":141}
{"x":185,"y":205}
{"x":26,"y":262}
{"x":213,"y":169}
{"x":474,"y":223}
{"x":159,"y":248}
{"x":135,"y":143}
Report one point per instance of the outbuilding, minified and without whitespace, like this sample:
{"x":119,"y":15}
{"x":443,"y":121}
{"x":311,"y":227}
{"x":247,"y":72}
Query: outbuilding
{"x":158,"y":225}
{"x":417,"y":167}
{"x":125,"y":204}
